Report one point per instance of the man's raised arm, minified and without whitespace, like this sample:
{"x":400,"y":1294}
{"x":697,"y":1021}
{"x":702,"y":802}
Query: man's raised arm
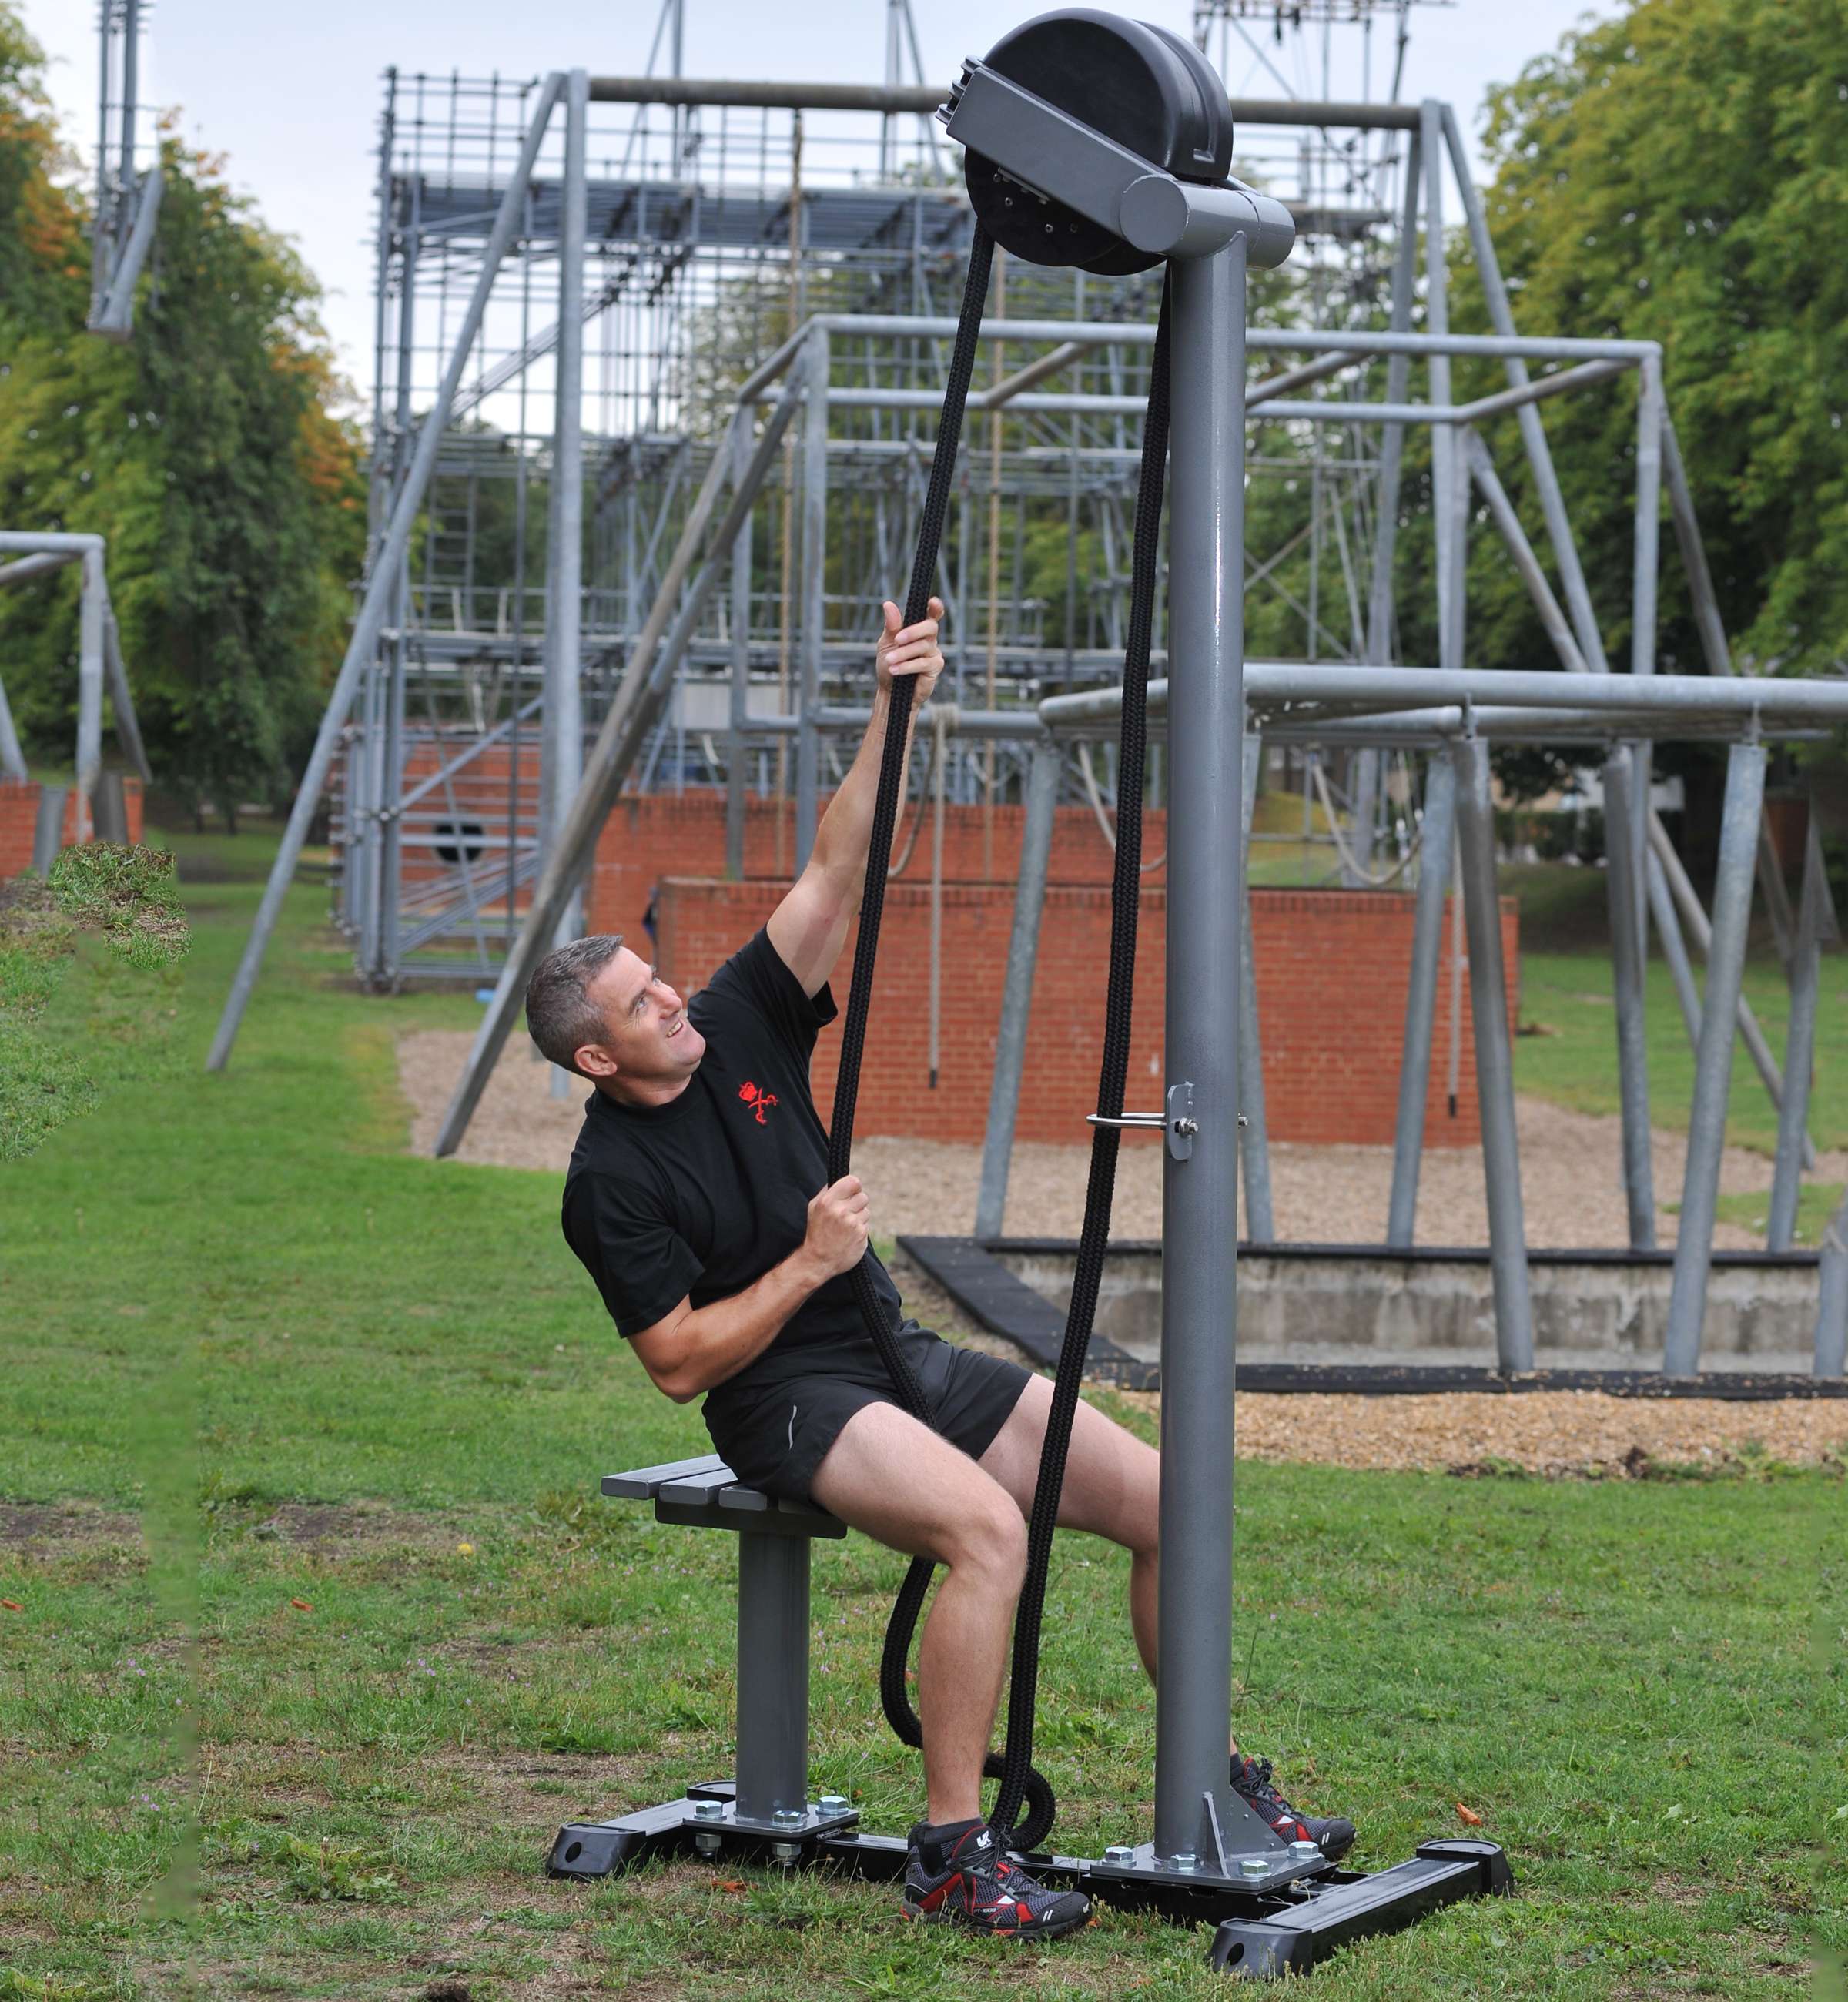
{"x":809,"y":927}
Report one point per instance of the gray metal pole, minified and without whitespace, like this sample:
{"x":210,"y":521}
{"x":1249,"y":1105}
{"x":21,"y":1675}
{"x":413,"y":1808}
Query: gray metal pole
{"x":128,"y":730}
{"x":1443,"y":439}
{"x":814,"y":559}
{"x":89,"y":691}
{"x":1713,"y":1061}
{"x":1815,"y":923}
{"x":31,"y":566}
{"x":48,"y":828}
{"x":638,"y":703}
{"x":773,"y":1676}
{"x":1494,"y":1056}
{"x":1200,"y":1194}
{"x":1533,"y":430}
{"x":1016,"y":999}
{"x":380,"y":585}
{"x":131,"y":66}
{"x":1254,"y":1132}
{"x":1687,"y":899}
{"x":564,"y":610}
{"x":1675,"y":949}
{"x":1643,"y":581}
{"x":739,"y":693}
{"x":1436,"y":843}
{"x":1706,"y":603}
{"x":1392,"y":459}
{"x":13,"y":759}
{"x":116,"y":316}
{"x":1527,"y":565}
{"x":1832,"y":1304}
{"x":1626,"y":893}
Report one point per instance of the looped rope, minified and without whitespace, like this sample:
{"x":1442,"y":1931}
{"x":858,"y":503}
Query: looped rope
{"x":1020,"y":1783}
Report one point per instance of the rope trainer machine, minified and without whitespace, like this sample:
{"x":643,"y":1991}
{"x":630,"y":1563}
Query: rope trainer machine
{"x":1107,"y":144}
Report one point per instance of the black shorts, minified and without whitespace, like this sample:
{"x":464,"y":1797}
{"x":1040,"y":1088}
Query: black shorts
{"x":773,"y":1431}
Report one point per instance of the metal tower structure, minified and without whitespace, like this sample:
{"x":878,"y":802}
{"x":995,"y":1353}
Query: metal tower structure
{"x":127,"y":196}
{"x":592,"y":291}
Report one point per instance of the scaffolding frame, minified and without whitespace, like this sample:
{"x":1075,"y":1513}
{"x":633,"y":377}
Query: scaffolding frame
{"x":835,"y":281}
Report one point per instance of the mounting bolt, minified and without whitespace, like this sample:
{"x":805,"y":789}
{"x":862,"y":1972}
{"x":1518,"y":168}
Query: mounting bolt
{"x":1253,"y":1866}
{"x":709,"y":1811}
{"x":790,"y":1817}
{"x":834,"y":1804}
{"x":707,"y":1842}
{"x":1184,"y":1860}
{"x":1303,"y":1850}
{"x":786,"y":1853}
{"x":1119,"y":1853}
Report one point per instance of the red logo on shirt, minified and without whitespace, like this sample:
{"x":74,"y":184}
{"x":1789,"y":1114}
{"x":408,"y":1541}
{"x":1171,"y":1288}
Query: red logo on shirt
{"x":759,"y":1101}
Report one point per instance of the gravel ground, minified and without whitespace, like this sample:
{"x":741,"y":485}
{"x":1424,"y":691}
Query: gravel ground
{"x":1571,"y":1183}
{"x":1556,"y":1432}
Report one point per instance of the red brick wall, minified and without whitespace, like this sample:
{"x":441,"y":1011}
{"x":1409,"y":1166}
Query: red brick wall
{"x":1333,"y":968}
{"x":651,"y":836}
{"x":18,"y":816}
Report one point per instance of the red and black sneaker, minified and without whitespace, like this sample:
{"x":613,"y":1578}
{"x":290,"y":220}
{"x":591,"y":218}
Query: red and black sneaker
{"x":1331,"y":1834}
{"x":958,"y":1874}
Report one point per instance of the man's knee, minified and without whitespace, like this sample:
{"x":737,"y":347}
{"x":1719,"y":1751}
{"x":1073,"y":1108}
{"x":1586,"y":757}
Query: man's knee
{"x":990,"y":1536}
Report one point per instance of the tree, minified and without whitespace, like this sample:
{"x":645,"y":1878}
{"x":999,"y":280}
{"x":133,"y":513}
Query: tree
{"x":1680,"y":174}
{"x":209,"y":451}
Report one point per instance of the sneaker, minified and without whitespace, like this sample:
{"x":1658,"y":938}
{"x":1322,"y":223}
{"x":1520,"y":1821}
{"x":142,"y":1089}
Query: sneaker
{"x":1331,"y":1834}
{"x":958,"y":1874}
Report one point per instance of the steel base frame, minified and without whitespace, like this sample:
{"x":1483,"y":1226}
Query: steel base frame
{"x":1262,"y":1931}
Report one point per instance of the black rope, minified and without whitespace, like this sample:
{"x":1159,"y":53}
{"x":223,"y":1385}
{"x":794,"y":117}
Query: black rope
{"x":1020,"y":1783}
{"x":1112,"y":1071}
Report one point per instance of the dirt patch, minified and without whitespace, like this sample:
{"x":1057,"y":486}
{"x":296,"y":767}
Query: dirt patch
{"x":1571,"y":1169}
{"x":1558,"y":1433}
{"x":320,"y":1526}
{"x":63,"y":1525}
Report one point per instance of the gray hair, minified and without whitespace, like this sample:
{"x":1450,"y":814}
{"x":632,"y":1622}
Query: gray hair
{"x":560,"y":1015}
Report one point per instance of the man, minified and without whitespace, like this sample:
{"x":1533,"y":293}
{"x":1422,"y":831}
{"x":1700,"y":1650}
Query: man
{"x":695,"y":1198}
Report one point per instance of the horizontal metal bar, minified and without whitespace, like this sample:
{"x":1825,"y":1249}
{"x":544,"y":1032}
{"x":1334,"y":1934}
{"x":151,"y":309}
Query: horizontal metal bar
{"x":15,"y":542}
{"x":1337,"y":690}
{"x":924,"y":98}
{"x":1075,"y":402}
{"x":1270,"y":340}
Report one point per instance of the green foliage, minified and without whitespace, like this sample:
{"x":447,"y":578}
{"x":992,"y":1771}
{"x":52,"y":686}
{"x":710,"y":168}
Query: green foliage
{"x":44,"y":263}
{"x":207,"y":450}
{"x":1680,"y":174}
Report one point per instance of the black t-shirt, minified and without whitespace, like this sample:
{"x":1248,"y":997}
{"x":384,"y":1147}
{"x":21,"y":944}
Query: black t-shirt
{"x":697,"y":1199}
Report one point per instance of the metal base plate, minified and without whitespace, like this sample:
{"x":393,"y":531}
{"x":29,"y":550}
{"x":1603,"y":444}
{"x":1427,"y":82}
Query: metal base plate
{"x":1284,"y":1925}
{"x":704,"y":1821}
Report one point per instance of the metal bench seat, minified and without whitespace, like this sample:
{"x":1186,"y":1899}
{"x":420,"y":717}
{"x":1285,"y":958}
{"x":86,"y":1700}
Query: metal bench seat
{"x":705,"y":1494}
{"x":769,"y":1799}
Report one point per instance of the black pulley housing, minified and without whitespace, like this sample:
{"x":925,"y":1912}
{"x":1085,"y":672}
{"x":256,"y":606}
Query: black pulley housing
{"x":1135,"y":83}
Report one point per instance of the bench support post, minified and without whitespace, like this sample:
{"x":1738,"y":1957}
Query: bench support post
{"x":772,"y":1717}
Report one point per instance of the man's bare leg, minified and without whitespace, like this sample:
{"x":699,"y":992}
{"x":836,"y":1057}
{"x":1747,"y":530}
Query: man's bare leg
{"x":902,"y":1484}
{"x":1112,"y":1489}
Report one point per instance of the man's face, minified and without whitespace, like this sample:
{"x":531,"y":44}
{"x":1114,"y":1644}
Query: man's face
{"x":647,"y":1039}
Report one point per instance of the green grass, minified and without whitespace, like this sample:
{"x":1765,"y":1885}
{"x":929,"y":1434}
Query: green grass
{"x":252,"y":1354}
{"x":1574,"y":1062}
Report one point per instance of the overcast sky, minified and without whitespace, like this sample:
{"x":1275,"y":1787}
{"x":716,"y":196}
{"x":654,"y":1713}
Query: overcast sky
{"x":289,"y":95}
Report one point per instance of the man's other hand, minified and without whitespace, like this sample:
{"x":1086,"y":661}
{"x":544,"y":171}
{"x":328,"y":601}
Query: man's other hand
{"x":910,"y":650}
{"x":836,"y":1239}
